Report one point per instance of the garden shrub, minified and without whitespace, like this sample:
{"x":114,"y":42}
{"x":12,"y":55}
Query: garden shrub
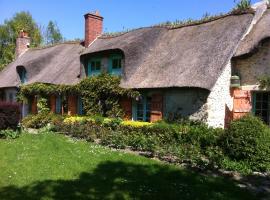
{"x":9,"y":115}
{"x":240,"y":148}
{"x":248,"y":139}
{"x":40,"y":120}
{"x":203,"y":135}
{"x":136,"y":123}
{"x":42,"y":105}
{"x":9,"y":133}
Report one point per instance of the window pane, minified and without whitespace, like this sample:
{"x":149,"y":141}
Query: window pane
{"x":258,"y":105}
{"x":265,"y":105}
{"x":98,"y":65}
{"x":93,"y":66}
{"x":116,"y":63}
{"x":261,"y":107}
{"x":265,"y":97}
{"x":258,"y":96}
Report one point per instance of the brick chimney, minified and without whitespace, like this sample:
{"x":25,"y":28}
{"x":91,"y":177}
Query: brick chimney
{"x":93,"y":27}
{"x":22,"y":43}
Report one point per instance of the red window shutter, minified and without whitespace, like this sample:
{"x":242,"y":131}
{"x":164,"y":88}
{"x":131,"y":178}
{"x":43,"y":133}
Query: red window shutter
{"x":53,"y":103}
{"x":34,"y":105}
{"x":126,"y":105}
{"x":156,"y":107}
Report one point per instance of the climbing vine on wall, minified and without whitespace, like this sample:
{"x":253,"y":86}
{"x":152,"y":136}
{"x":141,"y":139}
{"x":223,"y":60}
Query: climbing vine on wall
{"x":264,"y":82}
{"x":100,"y":94}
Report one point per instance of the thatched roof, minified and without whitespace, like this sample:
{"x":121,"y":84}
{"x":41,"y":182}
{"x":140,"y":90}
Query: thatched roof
{"x":260,"y":31}
{"x":59,"y":64}
{"x":155,"y":57}
{"x":192,"y":56}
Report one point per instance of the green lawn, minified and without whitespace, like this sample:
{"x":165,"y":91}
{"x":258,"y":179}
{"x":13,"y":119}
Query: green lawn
{"x":52,"y":166}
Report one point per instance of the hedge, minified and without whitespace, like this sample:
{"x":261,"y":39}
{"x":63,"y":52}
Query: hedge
{"x":187,"y":142}
{"x":9,"y":115}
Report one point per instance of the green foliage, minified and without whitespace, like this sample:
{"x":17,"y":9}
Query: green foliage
{"x":9,"y":115}
{"x":53,"y":34}
{"x":40,"y":120}
{"x":185,"y":141}
{"x":100,"y":94}
{"x":243,"y":4}
{"x":44,"y":90}
{"x":136,"y":123}
{"x":264,"y":82}
{"x":194,"y":143}
{"x":8,"y":133}
{"x":9,"y":32}
{"x":248,"y":140}
{"x":53,"y":166}
{"x":42,"y":105}
{"x":244,"y":147}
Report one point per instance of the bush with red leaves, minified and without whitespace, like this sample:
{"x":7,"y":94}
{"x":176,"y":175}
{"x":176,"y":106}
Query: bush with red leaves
{"x":9,"y":115}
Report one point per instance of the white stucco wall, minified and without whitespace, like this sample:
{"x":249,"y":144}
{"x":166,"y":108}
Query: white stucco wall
{"x":220,"y":98}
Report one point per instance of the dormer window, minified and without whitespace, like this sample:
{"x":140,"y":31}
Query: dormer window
{"x":115,"y":67}
{"x":22,"y":74}
{"x":94,"y":67}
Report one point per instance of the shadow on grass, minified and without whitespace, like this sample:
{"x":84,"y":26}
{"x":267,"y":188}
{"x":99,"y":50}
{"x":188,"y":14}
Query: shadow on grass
{"x":119,"y":180}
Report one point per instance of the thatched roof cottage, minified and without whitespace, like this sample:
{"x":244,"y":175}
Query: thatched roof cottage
{"x":205,"y":71}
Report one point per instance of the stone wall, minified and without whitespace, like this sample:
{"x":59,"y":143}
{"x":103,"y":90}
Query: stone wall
{"x":252,"y":67}
{"x":220,"y":101}
{"x":186,"y":102}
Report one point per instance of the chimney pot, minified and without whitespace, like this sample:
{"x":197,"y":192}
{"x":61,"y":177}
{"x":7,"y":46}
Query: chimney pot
{"x":23,"y":34}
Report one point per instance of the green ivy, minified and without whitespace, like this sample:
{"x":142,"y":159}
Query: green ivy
{"x":42,"y":105}
{"x":100,"y":94}
{"x":44,"y":90}
{"x":264,"y":82}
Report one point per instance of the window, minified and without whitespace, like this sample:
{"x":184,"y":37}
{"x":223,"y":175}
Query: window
{"x":22,"y":74}
{"x":141,"y":110}
{"x":261,"y":101}
{"x":11,"y":97}
{"x":94,"y":67}
{"x":115,"y":65}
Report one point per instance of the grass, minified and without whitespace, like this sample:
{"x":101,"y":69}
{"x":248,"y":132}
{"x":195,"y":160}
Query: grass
{"x":52,"y":166}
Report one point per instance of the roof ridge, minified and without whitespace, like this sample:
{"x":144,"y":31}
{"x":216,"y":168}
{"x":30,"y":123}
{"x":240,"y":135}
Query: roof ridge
{"x":185,"y":24}
{"x":56,"y":44}
{"x":117,"y":34}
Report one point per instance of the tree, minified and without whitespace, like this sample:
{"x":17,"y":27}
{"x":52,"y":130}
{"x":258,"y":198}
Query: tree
{"x":53,"y":34}
{"x":9,"y":32}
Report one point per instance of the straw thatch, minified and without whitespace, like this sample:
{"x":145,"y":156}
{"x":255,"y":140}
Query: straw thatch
{"x":192,"y":56}
{"x":59,"y":64}
{"x":260,"y":32}
{"x":155,"y":57}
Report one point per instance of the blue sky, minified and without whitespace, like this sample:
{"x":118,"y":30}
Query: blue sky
{"x":118,"y":14}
